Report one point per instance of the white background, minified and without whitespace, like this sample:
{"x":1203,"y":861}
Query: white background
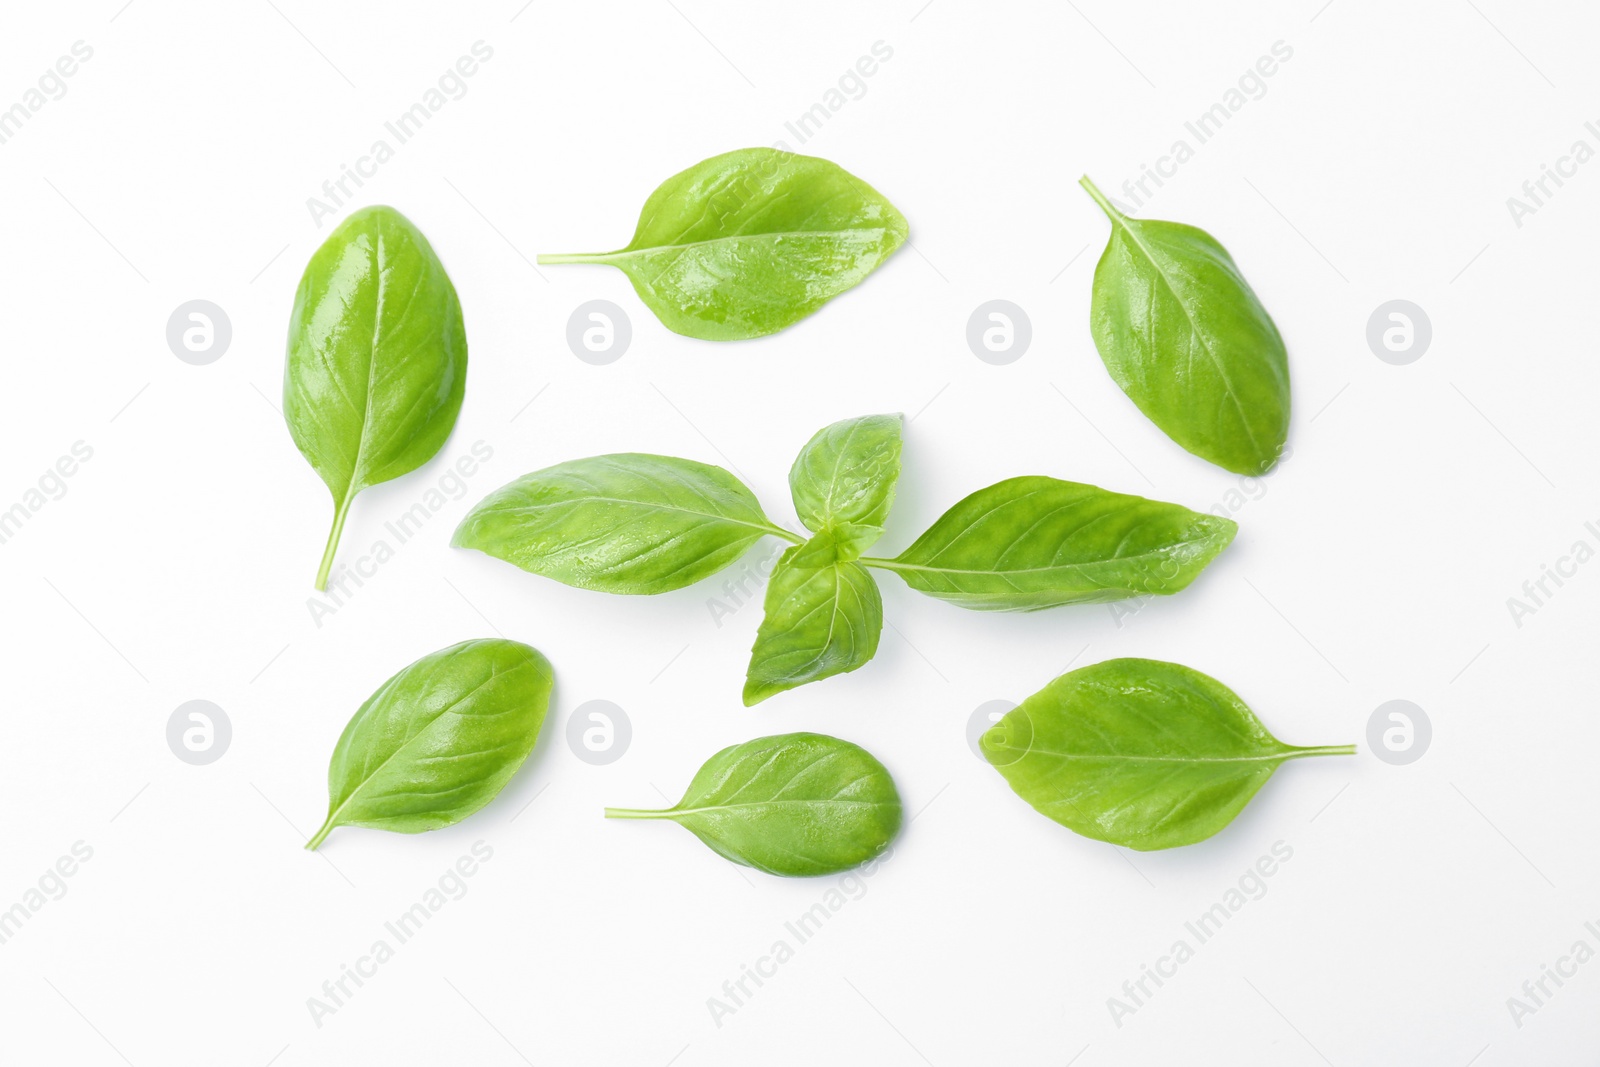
{"x":1375,"y":564}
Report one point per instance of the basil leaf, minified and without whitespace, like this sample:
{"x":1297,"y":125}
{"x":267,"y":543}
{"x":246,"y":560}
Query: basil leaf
{"x":795,"y":804}
{"x":1184,"y":336}
{"x":377,"y":358}
{"x":625,"y":523}
{"x":845,"y":477}
{"x":1035,"y":542}
{"x":820,"y":621}
{"x":1138,"y":752}
{"x":749,"y":242}
{"x":439,"y":740}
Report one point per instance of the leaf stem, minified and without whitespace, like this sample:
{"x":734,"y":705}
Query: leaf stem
{"x":637,"y":813}
{"x":320,"y":836}
{"x":1297,"y":752}
{"x":572,"y":257}
{"x":1100,"y":198}
{"x":340,"y":512}
{"x":779,"y":531}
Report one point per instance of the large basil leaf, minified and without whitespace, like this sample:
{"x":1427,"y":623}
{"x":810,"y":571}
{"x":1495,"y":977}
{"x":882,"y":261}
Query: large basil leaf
{"x":749,"y":242}
{"x":795,"y":804}
{"x":1138,"y":752}
{"x":820,"y":621}
{"x":1183,"y":334}
{"x":439,"y":740}
{"x":843,"y":480}
{"x":1035,"y":542}
{"x":625,"y":523}
{"x":377,"y":358}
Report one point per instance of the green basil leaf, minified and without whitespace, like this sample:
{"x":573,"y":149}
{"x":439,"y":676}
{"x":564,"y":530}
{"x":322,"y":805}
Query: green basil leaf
{"x":749,"y":242}
{"x":845,"y":476}
{"x":1138,"y":752}
{"x":625,"y":523}
{"x":1184,"y":336}
{"x":820,"y":621}
{"x":1035,"y":542}
{"x":795,"y":804}
{"x":439,"y":740}
{"x":377,"y":358}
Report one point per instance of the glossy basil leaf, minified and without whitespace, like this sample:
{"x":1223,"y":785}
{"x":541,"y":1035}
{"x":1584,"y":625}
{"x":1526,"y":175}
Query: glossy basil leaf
{"x":749,"y":242}
{"x":845,"y":477}
{"x":820,"y":621}
{"x":1035,"y":542}
{"x":625,"y":523}
{"x":795,"y":804}
{"x":1138,"y":752}
{"x":439,"y":740}
{"x":377,"y":359}
{"x":1183,"y":334}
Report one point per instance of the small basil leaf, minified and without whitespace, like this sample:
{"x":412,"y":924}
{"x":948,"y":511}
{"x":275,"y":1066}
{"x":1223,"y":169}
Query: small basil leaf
{"x":746,"y":243}
{"x":377,"y":358}
{"x":1138,"y":752}
{"x":1035,"y":542}
{"x":845,"y":475}
{"x":822,"y":550}
{"x":795,"y":804}
{"x":820,"y":621}
{"x":1183,"y":334}
{"x":850,"y":539}
{"x":439,"y":740}
{"x":625,"y":523}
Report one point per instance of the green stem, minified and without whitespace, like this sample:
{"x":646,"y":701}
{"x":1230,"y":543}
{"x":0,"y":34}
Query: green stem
{"x":779,"y":531}
{"x":573,"y":257}
{"x":1323,"y":750}
{"x":636,"y":813}
{"x":880,"y":563}
{"x":340,"y":512}
{"x":1100,"y":198}
{"x":320,"y":836}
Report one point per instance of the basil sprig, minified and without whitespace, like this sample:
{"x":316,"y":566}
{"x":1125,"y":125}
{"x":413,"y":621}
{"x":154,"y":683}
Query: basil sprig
{"x":634,"y":523}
